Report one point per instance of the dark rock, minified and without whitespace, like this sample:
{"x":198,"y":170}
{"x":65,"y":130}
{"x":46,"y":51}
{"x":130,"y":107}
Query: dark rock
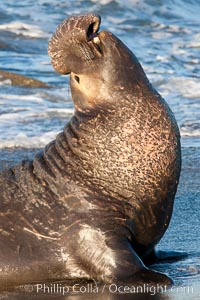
{"x":17,"y":79}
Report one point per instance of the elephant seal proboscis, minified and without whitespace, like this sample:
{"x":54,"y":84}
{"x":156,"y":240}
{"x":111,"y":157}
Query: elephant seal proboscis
{"x":95,"y":203}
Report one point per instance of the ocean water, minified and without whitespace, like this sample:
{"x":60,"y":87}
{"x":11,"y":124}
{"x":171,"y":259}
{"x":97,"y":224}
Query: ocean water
{"x":165,"y":36}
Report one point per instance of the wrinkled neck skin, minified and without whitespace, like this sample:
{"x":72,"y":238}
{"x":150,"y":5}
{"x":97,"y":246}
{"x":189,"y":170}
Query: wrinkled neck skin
{"x":126,"y":154}
{"x":110,"y":147}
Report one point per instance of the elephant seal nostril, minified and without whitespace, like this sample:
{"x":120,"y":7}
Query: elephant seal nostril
{"x":92,"y":30}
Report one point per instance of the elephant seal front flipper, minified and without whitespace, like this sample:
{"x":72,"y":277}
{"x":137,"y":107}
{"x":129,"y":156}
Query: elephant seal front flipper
{"x":112,"y":259}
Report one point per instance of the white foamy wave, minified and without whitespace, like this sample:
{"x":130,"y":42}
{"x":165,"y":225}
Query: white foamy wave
{"x":5,"y":82}
{"x":185,"y":86}
{"x":25,"y":119}
{"x":41,"y":97}
{"x":36,"y":105}
{"x":116,"y":20}
{"x":102,"y":2}
{"x":195,"y":43}
{"x":170,"y":28}
{"x":19,"y":115}
{"x":190,"y":128}
{"x":25,"y":29}
{"x":160,"y":35}
{"x":162,"y":58}
{"x":24,"y":141}
{"x":187,"y":132}
{"x":36,"y":98}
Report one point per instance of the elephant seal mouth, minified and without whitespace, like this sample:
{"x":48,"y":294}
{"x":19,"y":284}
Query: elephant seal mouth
{"x":93,"y":37}
{"x":97,"y":45}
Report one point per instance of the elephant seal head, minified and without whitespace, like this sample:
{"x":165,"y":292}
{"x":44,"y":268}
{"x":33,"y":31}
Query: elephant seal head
{"x":102,"y":69}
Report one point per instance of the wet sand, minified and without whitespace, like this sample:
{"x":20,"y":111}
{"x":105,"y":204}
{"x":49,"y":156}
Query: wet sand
{"x":183,"y":234}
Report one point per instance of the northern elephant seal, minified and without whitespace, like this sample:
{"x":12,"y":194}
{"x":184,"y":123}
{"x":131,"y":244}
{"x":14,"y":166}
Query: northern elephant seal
{"x":95,"y":203}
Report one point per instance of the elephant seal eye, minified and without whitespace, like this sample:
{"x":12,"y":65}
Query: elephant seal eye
{"x":77,"y":78}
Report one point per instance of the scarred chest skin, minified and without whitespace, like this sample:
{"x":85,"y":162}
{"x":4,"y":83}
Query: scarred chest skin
{"x":133,"y":154}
